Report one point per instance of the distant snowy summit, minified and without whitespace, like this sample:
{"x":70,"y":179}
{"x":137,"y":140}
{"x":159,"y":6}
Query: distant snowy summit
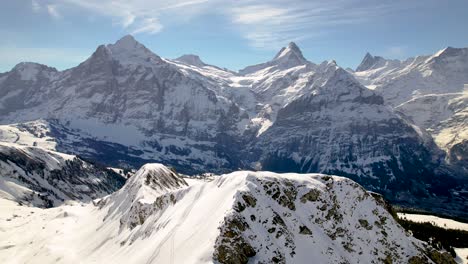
{"x":431,"y":91}
{"x":191,"y":59}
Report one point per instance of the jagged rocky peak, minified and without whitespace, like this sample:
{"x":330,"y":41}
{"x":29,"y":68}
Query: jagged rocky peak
{"x":369,"y":62}
{"x":191,"y":59}
{"x":155,"y":177}
{"x":129,"y":51}
{"x":141,"y":190}
{"x":127,"y":42}
{"x":290,"y":55}
{"x":149,"y":182}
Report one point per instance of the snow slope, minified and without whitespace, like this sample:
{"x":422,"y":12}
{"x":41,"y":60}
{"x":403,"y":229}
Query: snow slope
{"x":445,"y":117}
{"x":399,"y":81}
{"x":435,"y":220}
{"x":256,"y":216}
{"x":38,"y":177}
{"x":431,"y":91}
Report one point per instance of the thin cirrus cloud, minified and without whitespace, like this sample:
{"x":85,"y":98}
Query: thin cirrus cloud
{"x":272,"y":24}
{"x":36,"y":7}
{"x":265,"y":24}
{"x":53,"y":11}
{"x":139,"y":16}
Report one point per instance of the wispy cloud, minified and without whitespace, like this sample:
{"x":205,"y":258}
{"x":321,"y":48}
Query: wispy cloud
{"x":53,"y":11}
{"x":140,"y":16}
{"x":263,"y":23}
{"x":257,"y":14}
{"x":36,"y":7}
{"x":50,"y":9}
{"x":269,"y":25}
{"x":148,"y":25}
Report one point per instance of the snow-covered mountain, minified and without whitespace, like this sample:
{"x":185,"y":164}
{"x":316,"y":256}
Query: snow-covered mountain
{"x":38,"y":177}
{"x":430,"y":90}
{"x":255,"y":217}
{"x":400,"y":81}
{"x":127,"y":95}
{"x":126,"y":106}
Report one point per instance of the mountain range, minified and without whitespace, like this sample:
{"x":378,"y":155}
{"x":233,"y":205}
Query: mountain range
{"x":396,"y":127}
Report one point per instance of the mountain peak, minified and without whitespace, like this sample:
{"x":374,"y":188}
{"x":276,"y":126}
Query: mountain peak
{"x":450,"y":52}
{"x":368,"y":56}
{"x":127,"y":42}
{"x":191,"y":59}
{"x":129,"y":51}
{"x":288,"y":57}
{"x":368,"y":62}
{"x":291,"y":52}
{"x":293,"y":46}
{"x":150,"y":181}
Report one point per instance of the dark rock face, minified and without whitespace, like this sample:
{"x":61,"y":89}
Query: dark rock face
{"x":231,"y":246}
{"x":23,"y":87}
{"x":458,"y":155}
{"x":370,"y":62}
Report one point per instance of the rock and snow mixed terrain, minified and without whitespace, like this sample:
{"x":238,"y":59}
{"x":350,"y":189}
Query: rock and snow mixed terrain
{"x":38,"y":177}
{"x":255,"y":217}
{"x":431,"y":90}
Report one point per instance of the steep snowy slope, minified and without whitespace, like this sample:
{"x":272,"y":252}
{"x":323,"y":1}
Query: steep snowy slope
{"x":25,"y":86}
{"x":445,"y":117}
{"x":124,"y":89}
{"x":38,"y":177}
{"x":260,"y":217}
{"x":399,"y":81}
{"x":345,"y":129}
{"x":431,"y":90}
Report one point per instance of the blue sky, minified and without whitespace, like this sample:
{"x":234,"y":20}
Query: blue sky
{"x":232,"y":34}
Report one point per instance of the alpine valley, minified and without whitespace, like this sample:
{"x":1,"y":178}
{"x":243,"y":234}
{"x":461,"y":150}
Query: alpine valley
{"x":88,"y":144}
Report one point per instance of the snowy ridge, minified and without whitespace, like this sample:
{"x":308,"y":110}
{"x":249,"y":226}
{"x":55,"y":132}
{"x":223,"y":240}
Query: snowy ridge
{"x":444,"y":72}
{"x":38,"y":177}
{"x":140,"y":191}
{"x":238,"y":217}
{"x":430,"y":91}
